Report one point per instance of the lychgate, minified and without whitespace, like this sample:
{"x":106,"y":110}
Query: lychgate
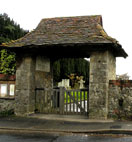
{"x":54,"y":38}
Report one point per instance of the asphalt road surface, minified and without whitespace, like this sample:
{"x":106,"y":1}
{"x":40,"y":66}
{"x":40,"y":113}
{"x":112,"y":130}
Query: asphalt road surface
{"x":63,"y":138}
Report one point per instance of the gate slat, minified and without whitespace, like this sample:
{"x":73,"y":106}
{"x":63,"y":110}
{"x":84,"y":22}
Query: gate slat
{"x":73,"y":103}
{"x":66,"y":102}
{"x":56,"y":103}
{"x":87,"y":103}
{"x":77,"y":102}
{"x":84,"y":101}
{"x":70,"y":99}
{"x":81,"y":102}
{"x":61,"y":101}
{"x":54,"y":100}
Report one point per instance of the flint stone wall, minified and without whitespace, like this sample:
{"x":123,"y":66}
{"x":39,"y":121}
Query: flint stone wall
{"x":120,"y":99}
{"x":7,"y":104}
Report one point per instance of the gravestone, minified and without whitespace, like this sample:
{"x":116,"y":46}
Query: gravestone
{"x":64,"y":83}
{"x":81,"y":83}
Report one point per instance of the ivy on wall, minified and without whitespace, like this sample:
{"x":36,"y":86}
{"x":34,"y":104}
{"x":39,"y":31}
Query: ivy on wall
{"x":7,"y":62}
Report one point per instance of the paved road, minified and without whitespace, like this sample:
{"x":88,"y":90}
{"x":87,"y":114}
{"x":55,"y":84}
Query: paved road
{"x":62,"y":138}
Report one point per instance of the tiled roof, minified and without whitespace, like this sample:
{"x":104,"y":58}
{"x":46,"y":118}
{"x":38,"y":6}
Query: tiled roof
{"x":66,"y":30}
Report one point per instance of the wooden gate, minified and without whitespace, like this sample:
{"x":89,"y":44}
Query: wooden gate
{"x":61,"y":101}
{"x":76,"y":102}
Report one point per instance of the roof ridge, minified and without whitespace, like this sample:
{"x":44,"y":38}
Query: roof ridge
{"x":67,"y":17}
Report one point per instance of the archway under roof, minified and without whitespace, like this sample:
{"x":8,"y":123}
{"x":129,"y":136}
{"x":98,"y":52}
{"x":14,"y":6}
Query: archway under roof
{"x":67,"y":37}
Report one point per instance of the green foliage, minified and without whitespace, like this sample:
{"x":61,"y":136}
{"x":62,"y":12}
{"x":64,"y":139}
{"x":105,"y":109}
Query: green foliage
{"x":62,"y":68}
{"x":7,"y":62}
{"x":56,"y":71}
{"x":9,"y":30}
{"x":3,"y":39}
{"x":7,"y":113}
{"x":78,"y":96}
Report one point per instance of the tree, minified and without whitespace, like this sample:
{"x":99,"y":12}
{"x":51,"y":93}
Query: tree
{"x":9,"y":30}
{"x":56,"y":71}
{"x":62,"y":68}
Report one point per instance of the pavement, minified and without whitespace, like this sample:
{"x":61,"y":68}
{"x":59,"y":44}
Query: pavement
{"x":42,"y":123}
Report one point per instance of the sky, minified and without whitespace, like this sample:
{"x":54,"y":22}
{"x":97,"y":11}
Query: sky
{"x":116,"y":14}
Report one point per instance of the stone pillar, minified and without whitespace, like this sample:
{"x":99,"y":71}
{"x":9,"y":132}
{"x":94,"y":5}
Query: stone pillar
{"x":25,"y":86}
{"x":43,"y":79}
{"x":102,"y":69}
{"x":32,"y":72}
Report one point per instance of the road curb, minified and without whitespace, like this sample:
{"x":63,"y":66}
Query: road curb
{"x":57,"y":131}
{"x":50,"y":117}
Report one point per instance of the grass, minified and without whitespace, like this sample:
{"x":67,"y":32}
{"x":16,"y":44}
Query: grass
{"x":77,"y":95}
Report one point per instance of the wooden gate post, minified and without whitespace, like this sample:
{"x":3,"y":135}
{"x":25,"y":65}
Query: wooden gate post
{"x":61,"y":101}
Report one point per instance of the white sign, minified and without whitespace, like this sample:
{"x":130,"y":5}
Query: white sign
{"x":42,"y":64}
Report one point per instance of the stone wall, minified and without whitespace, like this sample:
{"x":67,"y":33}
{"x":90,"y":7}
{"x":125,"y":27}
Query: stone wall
{"x":102,"y":69}
{"x":32,"y":72}
{"x":25,"y":85}
{"x":7,"y":104}
{"x":43,"y":79}
{"x":120,"y":99}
